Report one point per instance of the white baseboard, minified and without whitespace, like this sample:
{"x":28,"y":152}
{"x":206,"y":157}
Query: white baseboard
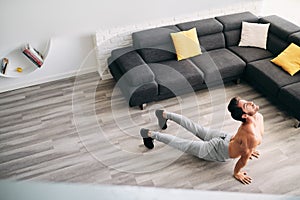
{"x":5,"y":88}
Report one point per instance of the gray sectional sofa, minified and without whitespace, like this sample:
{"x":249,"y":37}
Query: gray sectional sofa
{"x":148,"y":70}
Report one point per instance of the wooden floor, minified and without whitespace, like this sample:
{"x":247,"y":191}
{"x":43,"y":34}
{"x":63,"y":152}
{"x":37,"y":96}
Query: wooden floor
{"x":82,"y":131}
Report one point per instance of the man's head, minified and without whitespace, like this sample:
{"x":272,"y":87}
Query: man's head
{"x":240,"y":109}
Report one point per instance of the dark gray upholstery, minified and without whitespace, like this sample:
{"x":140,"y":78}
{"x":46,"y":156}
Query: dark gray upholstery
{"x":279,"y":26}
{"x":232,"y":37}
{"x":145,"y":38}
{"x":133,"y":94}
{"x":275,"y":44}
{"x":155,"y":44}
{"x":232,"y":26}
{"x":234,"y":21}
{"x":117,"y":53}
{"x":219,"y":64}
{"x":268,"y":77}
{"x":295,"y":38}
{"x":213,"y":41}
{"x":209,"y":32}
{"x":204,"y":26}
{"x":157,"y":54}
{"x":290,"y":96}
{"x":176,"y":76}
{"x":279,"y":31}
{"x":137,"y":94}
{"x":249,"y":54}
{"x":149,"y":71}
{"x":136,"y":70}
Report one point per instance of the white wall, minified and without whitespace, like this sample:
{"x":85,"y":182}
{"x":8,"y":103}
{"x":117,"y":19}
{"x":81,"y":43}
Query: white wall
{"x":288,"y":9}
{"x":71,"y":25}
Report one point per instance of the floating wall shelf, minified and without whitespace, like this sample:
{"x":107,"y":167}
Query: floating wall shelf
{"x":16,"y":59}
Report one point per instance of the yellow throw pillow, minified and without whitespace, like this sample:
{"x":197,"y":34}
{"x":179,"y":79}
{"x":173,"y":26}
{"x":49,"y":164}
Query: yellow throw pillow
{"x":289,"y":59}
{"x":186,"y":44}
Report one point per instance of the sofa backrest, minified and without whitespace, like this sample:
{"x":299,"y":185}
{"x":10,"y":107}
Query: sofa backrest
{"x":232,"y":26}
{"x":279,"y":32}
{"x":209,"y":33}
{"x":155,"y":45}
{"x":295,"y":38}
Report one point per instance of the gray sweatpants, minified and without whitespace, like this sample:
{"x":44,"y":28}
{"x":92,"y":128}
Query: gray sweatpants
{"x":213,"y":144}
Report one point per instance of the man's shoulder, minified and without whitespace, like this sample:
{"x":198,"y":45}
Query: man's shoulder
{"x":247,"y":126}
{"x":259,"y":115}
{"x":247,"y":130}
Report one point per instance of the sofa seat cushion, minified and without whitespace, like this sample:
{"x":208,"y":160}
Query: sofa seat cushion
{"x":157,"y":54}
{"x":268,"y":77}
{"x":249,"y":54}
{"x":219,"y":64}
{"x":177,"y":76}
{"x":290,"y":96}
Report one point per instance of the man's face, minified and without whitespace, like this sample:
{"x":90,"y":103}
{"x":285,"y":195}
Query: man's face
{"x":248,"y":107}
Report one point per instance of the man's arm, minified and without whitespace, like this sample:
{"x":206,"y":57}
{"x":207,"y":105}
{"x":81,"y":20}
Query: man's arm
{"x":242,"y":176}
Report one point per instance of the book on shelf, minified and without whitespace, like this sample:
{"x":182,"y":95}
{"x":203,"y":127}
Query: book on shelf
{"x":4,"y":64}
{"x":33,"y":55}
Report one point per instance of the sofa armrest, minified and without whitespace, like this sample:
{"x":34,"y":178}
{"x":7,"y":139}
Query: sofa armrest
{"x":280,"y":27}
{"x":295,"y":38}
{"x":133,"y":67}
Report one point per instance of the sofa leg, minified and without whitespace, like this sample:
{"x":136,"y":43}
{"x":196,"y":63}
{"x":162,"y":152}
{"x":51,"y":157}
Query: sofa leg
{"x":238,"y":81}
{"x":297,"y":124}
{"x":143,"y":106}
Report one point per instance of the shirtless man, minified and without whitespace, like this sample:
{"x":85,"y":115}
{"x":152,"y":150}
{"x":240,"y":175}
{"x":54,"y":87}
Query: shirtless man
{"x":215,"y":145}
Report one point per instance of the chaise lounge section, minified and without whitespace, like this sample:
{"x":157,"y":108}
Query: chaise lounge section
{"x":149,"y":70}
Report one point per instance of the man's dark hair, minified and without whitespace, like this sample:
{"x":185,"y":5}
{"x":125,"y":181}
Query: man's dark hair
{"x":236,"y":112}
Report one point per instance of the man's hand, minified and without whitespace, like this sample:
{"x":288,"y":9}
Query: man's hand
{"x":254,"y":154}
{"x":243,"y":178}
